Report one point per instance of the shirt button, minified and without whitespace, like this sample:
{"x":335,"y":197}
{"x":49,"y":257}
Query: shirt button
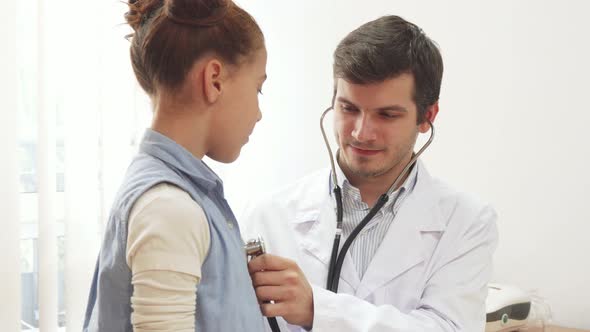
{"x":230,"y":225}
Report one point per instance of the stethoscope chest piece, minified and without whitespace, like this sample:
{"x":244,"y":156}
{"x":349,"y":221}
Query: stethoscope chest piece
{"x":254,"y":247}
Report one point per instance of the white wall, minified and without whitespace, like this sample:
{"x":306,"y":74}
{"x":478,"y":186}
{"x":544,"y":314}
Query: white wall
{"x":512,"y":126}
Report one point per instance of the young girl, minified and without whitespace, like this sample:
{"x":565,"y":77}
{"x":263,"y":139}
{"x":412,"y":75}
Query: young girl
{"x":172,"y":257}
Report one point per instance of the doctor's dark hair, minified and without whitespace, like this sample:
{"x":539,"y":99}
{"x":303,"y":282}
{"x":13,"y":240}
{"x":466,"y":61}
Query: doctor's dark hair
{"x":386,"y":48}
{"x":170,"y":35}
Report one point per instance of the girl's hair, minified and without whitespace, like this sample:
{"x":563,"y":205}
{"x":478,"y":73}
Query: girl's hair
{"x":170,"y":35}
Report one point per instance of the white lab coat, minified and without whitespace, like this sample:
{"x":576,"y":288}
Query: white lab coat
{"x":429,"y":274}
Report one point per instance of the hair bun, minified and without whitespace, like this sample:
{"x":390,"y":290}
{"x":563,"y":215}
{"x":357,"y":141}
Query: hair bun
{"x":140,"y":11}
{"x":197,"y":12}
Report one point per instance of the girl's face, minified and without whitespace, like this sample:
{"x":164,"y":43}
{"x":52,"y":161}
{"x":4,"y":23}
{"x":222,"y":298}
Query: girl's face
{"x":234,"y":120}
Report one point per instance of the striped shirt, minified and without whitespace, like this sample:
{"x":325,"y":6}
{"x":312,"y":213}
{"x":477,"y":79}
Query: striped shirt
{"x":369,"y":239}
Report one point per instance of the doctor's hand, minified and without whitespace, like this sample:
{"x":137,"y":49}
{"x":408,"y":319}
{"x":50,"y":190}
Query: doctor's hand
{"x":282,"y":281}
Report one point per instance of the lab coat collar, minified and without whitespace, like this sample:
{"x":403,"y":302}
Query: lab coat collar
{"x":418,"y":213}
{"x":419,"y":183}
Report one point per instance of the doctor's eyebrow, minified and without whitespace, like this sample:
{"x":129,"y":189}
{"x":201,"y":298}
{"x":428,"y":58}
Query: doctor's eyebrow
{"x":346,"y":101}
{"x":393,"y":108}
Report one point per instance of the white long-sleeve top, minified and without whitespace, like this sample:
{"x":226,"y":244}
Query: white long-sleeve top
{"x":168,"y":240}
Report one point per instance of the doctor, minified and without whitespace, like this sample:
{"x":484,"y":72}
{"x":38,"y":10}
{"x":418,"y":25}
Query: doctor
{"x":423,"y":262}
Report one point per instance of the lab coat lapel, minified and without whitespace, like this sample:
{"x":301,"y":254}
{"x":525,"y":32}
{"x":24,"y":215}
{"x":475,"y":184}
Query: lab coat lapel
{"x":401,"y":247}
{"x":315,"y":241}
{"x":320,"y":238}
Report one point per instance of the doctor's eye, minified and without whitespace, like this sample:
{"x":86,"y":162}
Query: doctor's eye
{"x":347,"y":108}
{"x":389,"y":115}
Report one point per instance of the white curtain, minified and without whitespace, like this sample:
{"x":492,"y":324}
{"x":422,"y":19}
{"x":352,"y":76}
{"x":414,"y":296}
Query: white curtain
{"x":9,"y":235}
{"x":99,"y":127}
{"x":72,"y":116}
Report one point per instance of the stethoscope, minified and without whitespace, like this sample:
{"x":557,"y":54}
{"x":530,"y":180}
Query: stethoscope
{"x":253,"y":248}
{"x":337,"y":258}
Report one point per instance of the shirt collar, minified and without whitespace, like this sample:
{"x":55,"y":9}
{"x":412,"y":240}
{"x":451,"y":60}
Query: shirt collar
{"x":351,"y":195}
{"x":178,"y":158}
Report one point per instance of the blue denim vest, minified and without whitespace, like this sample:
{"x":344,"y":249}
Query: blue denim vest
{"x":225,"y":297}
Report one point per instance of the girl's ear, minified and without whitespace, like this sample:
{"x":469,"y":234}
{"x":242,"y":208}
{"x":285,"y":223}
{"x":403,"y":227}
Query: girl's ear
{"x":212,"y":82}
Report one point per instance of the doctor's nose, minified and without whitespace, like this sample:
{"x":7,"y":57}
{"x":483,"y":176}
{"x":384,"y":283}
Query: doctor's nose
{"x":363,"y":130}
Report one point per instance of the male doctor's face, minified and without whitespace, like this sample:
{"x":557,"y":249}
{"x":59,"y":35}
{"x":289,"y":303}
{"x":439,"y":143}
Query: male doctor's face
{"x":376,"y":127}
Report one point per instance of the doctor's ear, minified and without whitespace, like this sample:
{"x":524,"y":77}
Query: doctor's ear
{"x":212,"y":80}
{"x":430,"y":115}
